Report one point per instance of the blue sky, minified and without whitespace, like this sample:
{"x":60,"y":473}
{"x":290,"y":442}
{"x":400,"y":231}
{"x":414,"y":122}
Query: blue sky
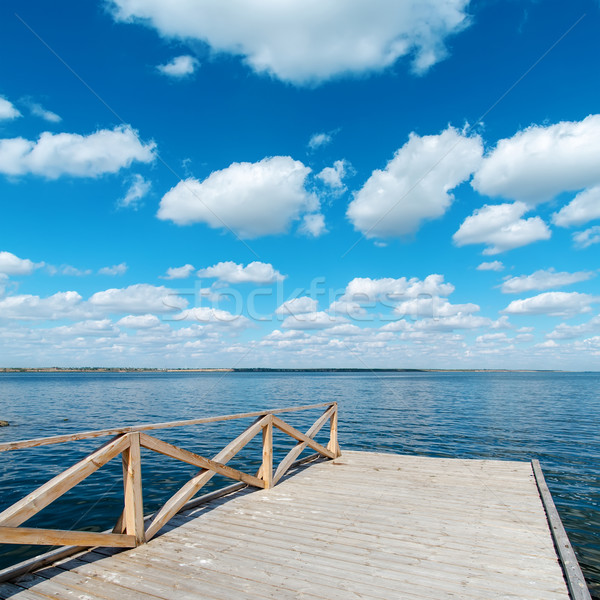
{"x":369,"y":184}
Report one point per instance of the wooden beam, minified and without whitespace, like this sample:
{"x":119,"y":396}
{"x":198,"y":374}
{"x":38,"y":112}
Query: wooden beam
{"x":301,"y":437}
{"x":575,"y":579}
{"x":191,"y":458}
{"x":176,"y":502}
{"x":291,"y":456}
{"x":266,"y":469}
{"x":333,"y":436}
{"x":58,"y":439}
{"x":59,"y":537}
{"x":132,"y":484}
{"x":24,"y":509}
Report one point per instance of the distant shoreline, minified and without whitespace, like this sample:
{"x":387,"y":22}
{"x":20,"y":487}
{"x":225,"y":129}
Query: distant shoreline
{"x":262,"y":370}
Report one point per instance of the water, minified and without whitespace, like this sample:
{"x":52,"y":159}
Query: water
{"x":517,"y":416}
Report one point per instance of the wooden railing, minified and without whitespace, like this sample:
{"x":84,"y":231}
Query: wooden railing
{"x":131,"y":529}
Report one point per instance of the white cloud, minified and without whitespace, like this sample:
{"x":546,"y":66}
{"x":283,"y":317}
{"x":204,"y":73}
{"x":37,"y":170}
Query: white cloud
{"x":251,"y":199}
{"x":57,"y":306}
{"x":39,"y":111}
{"x":53,"y":155}
{"x":500,"y":227}
{"x":147,"y":321}
{"x":415,"y":184}
{"x":13,"y":265}
{"x":433,"y":308}
{"x":495,"y":265}
{"x":539,"y":163}
{"x":179,"y":272}
{"x":366,"y":289}
{"x":311,"y":320}
{"x":583,"y":208}
{"x":313,"y":225}
{"x":566,"y":332}
{"x":137,"y":190}
{"x":89,"y":328}
{"x":347,"y":308}
{"x":114,"y":270}
{"x":547,"y":344}
{"x":254,"y":272}
{"x":179,"y":67}
{"x":333,"y":177}
{"x":583,"y":239}
{"x":318,"y":140}
{"x":70,"y":271}
{"x":309,"y":42}
{"x":137,"y":299}
{"x":557,"y":304}
{"x":543,"y":280}
{"x":297,"y":306}
{"x":8,"y":110}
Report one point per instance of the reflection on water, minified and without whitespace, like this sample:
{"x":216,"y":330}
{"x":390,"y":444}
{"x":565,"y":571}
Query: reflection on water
{"x":518,"y":416}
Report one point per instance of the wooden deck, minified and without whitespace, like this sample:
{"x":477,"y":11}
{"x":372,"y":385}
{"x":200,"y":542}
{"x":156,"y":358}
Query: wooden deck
{"x":365,"y":526}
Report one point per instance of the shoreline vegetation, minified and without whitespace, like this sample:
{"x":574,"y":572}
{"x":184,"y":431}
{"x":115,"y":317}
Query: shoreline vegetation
{"x":259,"y":370}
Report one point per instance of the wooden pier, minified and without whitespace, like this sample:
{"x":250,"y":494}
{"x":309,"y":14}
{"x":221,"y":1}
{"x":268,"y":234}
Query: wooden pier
{"x":360,"y":525}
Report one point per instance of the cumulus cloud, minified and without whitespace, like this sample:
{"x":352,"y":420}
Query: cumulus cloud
{"x":557,"y":304}
{"x":69,"y":271}
{"x":54,"y":155}
{"x":11,"y":264}
{"x":179,"y":272}
{"x":567,"y":332}
{"x":311,"y":320}
{"x":295,"y":41}
{"x":114,"y":270}
{"x":538,"y":163}
{"x":583,"y":208}
{"x":8,"y":110}
{"x":140,"y":298}
{"x":495,"y":265}
{"x":501,"y":227}
{"x":433,"y":308}
{"x":415,"y":185}
{"x":333,"y":177}
{"x":137,"y":190}
{"x":39,"y":111}
{"x":543,"y":280}
{"x":26,"y":306}
{"x":366,"y":289}
{"x":317,"y":140}
{"x":254,"y":272}
{"x":588,"y":237}
{"x":251,"y":199}
{"x":147,"y":321}
{"x":313,"y":225}
{"x":179,"y":67}
{"x":297,"y":306}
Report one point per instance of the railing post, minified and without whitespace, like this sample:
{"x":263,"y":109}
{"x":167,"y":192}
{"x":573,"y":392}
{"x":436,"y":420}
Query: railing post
{"x":266,"y":470}
{"x":132,"y":483}
{"x":333,"y":436}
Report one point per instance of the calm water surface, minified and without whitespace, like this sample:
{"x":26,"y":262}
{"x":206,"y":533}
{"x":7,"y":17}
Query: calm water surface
{"x":554,"y":417}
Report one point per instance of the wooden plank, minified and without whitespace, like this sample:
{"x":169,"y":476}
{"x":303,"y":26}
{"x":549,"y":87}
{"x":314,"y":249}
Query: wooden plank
{"x":575,"y":579}
{"x":293,"y":454}
{"x":132,"y":484}
{"x":191,"y":458}
{"x":176,"y":502}
{"x":333,"y":444}
{"x":24,"y":509}
{"x":59,"y":439}
{"x":301,"y":437}
{"x":60,"y":537}
{"x":266,"y":469}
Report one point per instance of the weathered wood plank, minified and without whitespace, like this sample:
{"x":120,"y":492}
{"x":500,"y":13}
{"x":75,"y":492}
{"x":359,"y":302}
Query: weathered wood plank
{"x":133,"y":513}
{"x":60,"y":537}
{"x":301,"y":437}
{"x":266,"y":468}
{"x":24,"y":509}
{"x":575,"y":579}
